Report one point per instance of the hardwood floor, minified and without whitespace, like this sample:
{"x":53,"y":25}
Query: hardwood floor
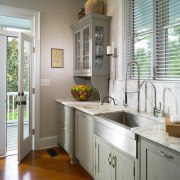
{"x":38,"y":165}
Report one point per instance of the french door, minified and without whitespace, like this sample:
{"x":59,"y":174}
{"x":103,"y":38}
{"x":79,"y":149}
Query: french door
{"x":25,"y":95}
{"x":24,"y":100}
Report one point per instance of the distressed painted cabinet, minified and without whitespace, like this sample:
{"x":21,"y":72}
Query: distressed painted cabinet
{"x":84,"y":140}
{"x":112,"y":164}
{"x":158,"y":163}
{"x":91,"y":37}
{"x":66,"y":129}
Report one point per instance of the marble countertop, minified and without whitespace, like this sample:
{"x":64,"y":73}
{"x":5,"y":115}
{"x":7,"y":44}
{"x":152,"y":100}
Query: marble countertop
{"x":155,"y":132}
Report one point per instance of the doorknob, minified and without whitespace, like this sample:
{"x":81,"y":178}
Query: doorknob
{"x":23,"y":102}
{"x":18,"y":102}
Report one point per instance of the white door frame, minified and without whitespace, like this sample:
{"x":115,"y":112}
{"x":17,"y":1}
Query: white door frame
{"x":35,"y":19}
{"x":3,"y":52}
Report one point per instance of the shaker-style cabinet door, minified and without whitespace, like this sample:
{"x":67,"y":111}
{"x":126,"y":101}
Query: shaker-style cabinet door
{"x":103,"y":160}
{"x":123,"y":168}
{"x":158,"y":163}
{"x":84,"y":140}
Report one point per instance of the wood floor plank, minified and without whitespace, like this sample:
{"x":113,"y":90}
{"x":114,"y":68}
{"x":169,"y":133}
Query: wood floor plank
{"x":38,"y":165}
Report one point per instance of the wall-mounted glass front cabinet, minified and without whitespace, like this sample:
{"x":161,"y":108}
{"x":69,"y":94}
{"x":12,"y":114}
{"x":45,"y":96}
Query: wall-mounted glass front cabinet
{"x":91,"y":37}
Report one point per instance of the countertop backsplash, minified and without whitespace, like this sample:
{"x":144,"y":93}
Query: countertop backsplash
{"x":167,"y":95}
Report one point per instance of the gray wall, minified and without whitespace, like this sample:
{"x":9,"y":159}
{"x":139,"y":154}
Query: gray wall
{"x":57,"y":16}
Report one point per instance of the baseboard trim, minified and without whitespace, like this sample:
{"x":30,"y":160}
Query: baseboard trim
{"x":47,"y":142}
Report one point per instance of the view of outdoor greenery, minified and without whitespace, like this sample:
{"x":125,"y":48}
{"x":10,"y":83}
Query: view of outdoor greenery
{"x":12,"y":75}
{"x":12,"y":65}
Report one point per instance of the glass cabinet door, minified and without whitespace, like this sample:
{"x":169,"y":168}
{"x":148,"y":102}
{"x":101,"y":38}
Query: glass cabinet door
{"x":99,"y":43}
{"x":77,"y":65}
{"x":85,"y":49}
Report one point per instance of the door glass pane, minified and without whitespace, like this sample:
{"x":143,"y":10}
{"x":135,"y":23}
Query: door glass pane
{"x":15,"y":24}
{"x":12,"y":93}
{"x":86,"y":48}
{"x":99,"y":42}
{"x":26,"y":87}
{"x":77,"y":50}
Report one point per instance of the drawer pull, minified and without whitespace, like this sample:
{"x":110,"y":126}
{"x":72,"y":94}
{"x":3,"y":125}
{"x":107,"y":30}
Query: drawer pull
{"x":165,"y":155}
{"x":110,"y":159}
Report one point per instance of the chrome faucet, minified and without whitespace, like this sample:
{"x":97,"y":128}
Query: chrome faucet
{"x":109,"y":97}
{"x":125,"y":103}
{"x":156,"y":111}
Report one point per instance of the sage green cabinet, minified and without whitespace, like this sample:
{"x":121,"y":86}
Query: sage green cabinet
{"x":111,"y":163}
{"x":84,"y":141}
{"x":65,"y":130}
{"x":158,"y":163}
{"x":91,"y":37}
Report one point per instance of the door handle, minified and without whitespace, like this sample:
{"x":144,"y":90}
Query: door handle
{"x":18,"y":103}
{"x":22,"y":94}
{"x":23,"y":102}
{"x":110,"y":159}
{"x":165,"y":155}
{"x":113,"y":162}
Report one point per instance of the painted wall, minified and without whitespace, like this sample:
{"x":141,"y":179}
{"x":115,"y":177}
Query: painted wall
{"x":167,"y":92}
{"x":57,"y":16}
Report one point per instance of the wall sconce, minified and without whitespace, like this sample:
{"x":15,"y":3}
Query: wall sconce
{"x":111,"y":51}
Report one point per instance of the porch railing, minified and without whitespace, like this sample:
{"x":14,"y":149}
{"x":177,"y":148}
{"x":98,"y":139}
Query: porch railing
{"x":12,"y":111}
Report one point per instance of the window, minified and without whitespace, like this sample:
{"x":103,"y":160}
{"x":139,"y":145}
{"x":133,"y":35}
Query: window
{"x":152,"y":38}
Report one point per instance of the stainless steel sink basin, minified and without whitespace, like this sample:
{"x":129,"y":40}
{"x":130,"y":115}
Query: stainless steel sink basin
{"x":115,"y":127}
{"x":126,"y":119}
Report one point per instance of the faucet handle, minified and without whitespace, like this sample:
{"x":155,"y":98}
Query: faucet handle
{"x":157,"y":111}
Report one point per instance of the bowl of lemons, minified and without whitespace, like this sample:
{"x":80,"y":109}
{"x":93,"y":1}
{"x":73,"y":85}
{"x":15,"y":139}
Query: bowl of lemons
{"x":81,"y":92}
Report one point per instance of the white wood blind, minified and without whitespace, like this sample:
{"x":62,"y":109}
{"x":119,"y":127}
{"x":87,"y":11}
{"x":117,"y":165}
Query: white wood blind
{"x":168,"y":39}
{"x":152,"y":38}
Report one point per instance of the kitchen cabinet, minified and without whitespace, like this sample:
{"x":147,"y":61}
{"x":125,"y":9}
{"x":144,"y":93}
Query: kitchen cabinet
{"x":158,"y":163}
{"x":91,"y":37}
{"x":84,"y":140}
{"x":111,"y":163}
{"x":65,"y":130}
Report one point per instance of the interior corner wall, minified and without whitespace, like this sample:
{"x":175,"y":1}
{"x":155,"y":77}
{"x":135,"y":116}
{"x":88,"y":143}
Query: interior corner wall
{"x":56,"y":18}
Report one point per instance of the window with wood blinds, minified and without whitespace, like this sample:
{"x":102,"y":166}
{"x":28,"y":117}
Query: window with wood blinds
{"x":152,"y":38}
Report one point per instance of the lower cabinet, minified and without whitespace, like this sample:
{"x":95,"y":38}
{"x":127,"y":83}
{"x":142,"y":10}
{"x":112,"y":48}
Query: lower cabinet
{"x":84,"y":140}
{"x":112,"y":164}
{"x":65,"y":129}
{"x":158,"y":163}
